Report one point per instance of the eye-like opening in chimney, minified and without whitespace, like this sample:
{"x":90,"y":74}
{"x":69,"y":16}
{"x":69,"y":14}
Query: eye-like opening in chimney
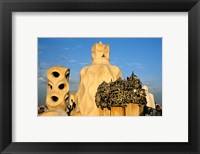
{"x":67,"y":75}
{"x":67,"y":99}
{"x":61,"y":86}
{"x":55,"y":74}
{"x":54,"y":98}
{"x":50,"y":86}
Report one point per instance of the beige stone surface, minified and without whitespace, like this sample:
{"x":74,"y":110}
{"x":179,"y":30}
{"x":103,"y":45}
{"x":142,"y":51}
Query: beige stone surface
{"x":92,"y":76}
{"x":105,"y":112}
{"x":72,"y":113}
{"x":149,"y":97}
{"x":55,"y":112}
{"x":117,"y":111}
{"x":134,"y":110}
{"x":57,"y":88}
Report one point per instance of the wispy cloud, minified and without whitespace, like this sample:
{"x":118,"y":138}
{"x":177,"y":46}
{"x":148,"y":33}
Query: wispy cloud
{"x":42,"y":65}
{"x":153,"y":84}
{"x":155,"y":88}
{"x":42,"y":46}
{"x":42,"y":80}
{"x":136,"y":65}
{"x":72,"y":48}
{"x":72,"y":61}
{"x":74,"y":82}
{"x":63,"y":57}
{"x":83,"y":63}
{"x":68,"y":59}
{"x":42,"y":68}
{"x":57,"y":48}
{"x":76,"y":47}
{"x":113,"y":62}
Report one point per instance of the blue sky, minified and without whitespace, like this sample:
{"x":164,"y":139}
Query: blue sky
{"x":143,"y":56}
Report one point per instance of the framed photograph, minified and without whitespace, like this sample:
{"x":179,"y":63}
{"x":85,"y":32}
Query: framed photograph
{"x":99,"y":76}
{"x":115,"y":89}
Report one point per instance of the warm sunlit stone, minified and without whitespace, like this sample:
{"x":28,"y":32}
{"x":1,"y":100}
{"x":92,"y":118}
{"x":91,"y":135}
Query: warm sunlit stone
{"x":134,"y":110}
{"x":149,"y":97}
{"x":57,"y":88}
{"x":92,"y":76}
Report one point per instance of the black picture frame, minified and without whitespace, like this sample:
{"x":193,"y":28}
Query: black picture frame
{"x":9,"y":6}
